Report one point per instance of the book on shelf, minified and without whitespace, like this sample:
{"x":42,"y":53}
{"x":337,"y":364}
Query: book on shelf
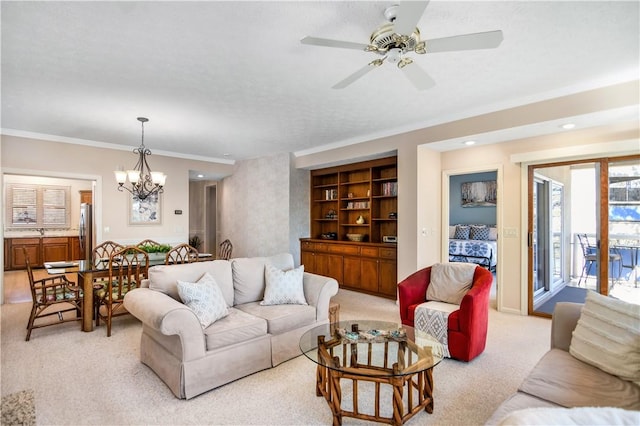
{"x":357,"y":205}
{"x":390,"y":189}
{"x":331,"y":194}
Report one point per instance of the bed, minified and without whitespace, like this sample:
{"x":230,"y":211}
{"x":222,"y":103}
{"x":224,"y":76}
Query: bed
{"x":475,"y":244}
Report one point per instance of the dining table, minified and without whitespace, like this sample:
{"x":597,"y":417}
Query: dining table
{"x":87,"y":272}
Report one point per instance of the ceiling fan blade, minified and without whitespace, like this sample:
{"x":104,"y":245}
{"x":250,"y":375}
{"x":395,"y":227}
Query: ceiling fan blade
{"x":315,"y":41}
{"x":486,"y":40}
{"x":417,"y":76}
{"x":358,"y":74}
{"x":408,"y":15}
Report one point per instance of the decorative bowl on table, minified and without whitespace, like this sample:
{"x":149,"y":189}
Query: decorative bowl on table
{"x":356,"y":237}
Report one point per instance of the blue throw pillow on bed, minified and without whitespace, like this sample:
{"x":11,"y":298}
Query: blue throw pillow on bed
{"x":479,"y":233}
{"x":462,"y":232}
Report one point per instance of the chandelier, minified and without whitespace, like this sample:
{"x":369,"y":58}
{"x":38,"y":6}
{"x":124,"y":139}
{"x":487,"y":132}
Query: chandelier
{"x":143,"y":182}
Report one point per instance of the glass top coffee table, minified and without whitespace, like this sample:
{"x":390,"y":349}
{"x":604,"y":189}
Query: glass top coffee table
{"x":385,"y":353}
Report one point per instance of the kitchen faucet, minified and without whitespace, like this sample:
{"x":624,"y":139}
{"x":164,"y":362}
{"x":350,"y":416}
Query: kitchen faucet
{"x":41,"y":230}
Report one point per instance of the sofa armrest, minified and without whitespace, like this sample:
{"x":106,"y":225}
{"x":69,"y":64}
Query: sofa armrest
{"x":169,"y":317}
{"x":563,"y":322}
{"x":318,"y":291}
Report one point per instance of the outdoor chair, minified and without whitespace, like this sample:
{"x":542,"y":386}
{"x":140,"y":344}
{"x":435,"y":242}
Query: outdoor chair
{"x":55,"y":292}
{"x":590,"y":255}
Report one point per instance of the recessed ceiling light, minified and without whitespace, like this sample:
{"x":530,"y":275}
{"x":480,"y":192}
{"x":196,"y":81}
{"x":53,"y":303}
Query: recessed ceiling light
{"x":568,"y":126}
{"x":200,"y":175}
{"x":469,"y":143}
{"x":226,"y":154}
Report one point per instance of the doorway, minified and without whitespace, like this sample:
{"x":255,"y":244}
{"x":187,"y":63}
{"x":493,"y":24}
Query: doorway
{"x":583,"y":224}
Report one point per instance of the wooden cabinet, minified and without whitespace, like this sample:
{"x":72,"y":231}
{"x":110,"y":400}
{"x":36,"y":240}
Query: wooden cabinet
{"x":86,"y":197}
{"x":39,"y":250}
{"x":342,"y":195}
{"x":366,"y":267}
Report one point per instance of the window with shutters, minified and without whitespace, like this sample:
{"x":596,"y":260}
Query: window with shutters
{"x":37,"y":206}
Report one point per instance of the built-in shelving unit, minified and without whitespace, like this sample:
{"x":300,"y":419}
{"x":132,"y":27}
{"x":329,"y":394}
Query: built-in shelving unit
{"x":359,"y":198}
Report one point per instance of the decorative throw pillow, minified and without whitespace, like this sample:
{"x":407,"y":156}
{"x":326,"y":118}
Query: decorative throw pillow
{"x":493,"y":233}
{"x":608,"y":336}
{"x":452,"y":231}
{"x":450,"y":281}
{"x":204,"y":298}
{"x":462,"y":232}
{"x":283,"y":287}
{"x":479,"y":232}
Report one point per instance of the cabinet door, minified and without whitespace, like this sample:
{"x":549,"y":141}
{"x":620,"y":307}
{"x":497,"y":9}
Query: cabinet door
{"x":387,"y":277}
{"x":329,"y":265}
{"x":33,"y":251}
{"x":76,"y":252}
{"x":307,"y":258}
{"x":55,"y":249}
{"x":369,"y":274}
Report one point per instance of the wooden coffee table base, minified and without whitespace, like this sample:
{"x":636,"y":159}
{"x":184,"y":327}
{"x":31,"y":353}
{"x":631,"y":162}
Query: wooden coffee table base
{"x":328,"y":385}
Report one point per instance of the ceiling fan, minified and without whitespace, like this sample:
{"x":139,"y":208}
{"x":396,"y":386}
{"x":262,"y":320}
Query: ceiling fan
{"x":394,"y":40}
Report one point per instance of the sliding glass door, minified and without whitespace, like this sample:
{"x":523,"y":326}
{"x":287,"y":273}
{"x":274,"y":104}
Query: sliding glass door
{"x":584,"y":227}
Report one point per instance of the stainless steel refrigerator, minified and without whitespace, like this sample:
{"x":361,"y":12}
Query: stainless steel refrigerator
{"x":85,"y":231}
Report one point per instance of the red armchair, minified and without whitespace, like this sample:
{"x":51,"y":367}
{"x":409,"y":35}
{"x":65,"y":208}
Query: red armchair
{"x":467,"y":327}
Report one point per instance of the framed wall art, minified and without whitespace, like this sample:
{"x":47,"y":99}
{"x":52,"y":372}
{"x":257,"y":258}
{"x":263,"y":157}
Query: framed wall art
{"x":479,"y":194}
{"x":145,"y":212}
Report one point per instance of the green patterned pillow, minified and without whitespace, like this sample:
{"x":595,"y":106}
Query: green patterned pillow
{"x":204,"y":298}
{"x":283,"y":287}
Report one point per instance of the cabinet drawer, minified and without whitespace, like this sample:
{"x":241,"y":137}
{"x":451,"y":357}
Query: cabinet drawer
{"x":25,"y":241}
{"x":55,"y":240}
{"x":369,"y":251}
{"x":344,"y":249}
{"x":320,"y":247}
{"x":388,"y":253}
{"x":306,"y":245}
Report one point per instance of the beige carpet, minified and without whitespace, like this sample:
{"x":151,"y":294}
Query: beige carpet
{"x":87,"y":378}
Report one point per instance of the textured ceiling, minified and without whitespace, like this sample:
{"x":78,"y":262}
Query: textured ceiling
{"x":231,"y":80}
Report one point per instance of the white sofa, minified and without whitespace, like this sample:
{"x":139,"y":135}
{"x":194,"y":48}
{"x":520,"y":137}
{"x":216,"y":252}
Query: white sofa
{"x":252,"y":337}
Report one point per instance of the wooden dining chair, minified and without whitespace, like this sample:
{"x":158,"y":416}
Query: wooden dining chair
{"x":147,"y":243}
{"x":225,"y":249}
{"x":182,"y":253}
{"x":52,"y":295}
{"x":127,"y":268}
{"x":103,"y":251}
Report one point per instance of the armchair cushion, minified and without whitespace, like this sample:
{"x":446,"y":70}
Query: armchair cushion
{"x":450,"y":282}
{"x":204,"y":298}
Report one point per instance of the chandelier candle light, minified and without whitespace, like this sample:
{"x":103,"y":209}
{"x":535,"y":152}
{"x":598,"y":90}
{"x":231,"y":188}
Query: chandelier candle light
{"x":144,"y":182}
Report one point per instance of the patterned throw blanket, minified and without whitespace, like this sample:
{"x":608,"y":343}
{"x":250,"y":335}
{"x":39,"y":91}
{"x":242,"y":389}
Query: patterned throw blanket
{"x":432,"y":318}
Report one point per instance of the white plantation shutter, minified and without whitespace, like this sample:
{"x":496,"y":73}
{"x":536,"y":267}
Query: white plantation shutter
{"x":37,"y":206}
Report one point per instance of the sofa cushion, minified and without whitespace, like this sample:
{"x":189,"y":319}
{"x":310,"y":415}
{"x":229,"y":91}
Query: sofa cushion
{"x":572,"y":416}
{"x":204,"y":298}
{"x":237,"y":327}
{"x":164,"y":278}
{"x":564,"y":380}
{"x":450,"y":282}
{"x":248,"y":275}
{"x":608,"y":336}
{"x":517,"y":401}
{"x":283,"y":287}
{"x":281,"y":318}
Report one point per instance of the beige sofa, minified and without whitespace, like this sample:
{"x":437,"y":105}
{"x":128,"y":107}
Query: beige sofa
{"x":560,"y":381}
{"x":192,"y":360}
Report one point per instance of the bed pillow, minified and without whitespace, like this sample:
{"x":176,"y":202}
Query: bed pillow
{"x":452,"y":231}
{"x":462,"y":232}
{"x":608,"y":336}
{"x":283,"y":287}
{"x":479,"y":232}
{"x":450,"y":281}
{"x":493,"y":233}
{"x":204,"y":298}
